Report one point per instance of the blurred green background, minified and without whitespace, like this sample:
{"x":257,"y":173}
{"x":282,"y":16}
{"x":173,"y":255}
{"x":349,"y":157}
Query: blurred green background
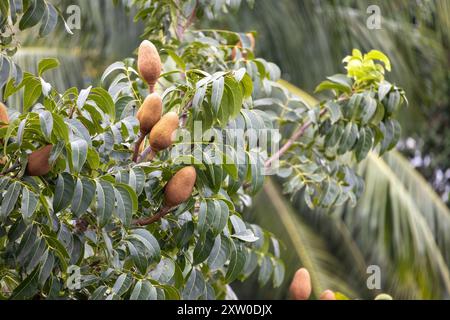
{"x":402,"y":223}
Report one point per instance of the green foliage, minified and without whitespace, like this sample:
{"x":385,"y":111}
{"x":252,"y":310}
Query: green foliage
{"x":24,"y":15}
{"x":81,"y":214}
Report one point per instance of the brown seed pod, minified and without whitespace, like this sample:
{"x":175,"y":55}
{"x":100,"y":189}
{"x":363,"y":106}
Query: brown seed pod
{"x":327,"y":295}
{"x":38,"y":164}
{"x":300,"y":288}
{"x":180,"y":186}
{"x":4,"y":119}
{"x":149,"y":113}
{"x":149,"y":63}
{"x":161,"y":135}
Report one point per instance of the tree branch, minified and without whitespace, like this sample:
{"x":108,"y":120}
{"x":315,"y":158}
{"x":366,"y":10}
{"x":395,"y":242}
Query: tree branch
{"x":137,"y":146}
{"x":182,"y":28}
{"x":185,"y":112}
{"x":147,"y":152}
{"x":297,"y":134}
{"x":149,"y":220}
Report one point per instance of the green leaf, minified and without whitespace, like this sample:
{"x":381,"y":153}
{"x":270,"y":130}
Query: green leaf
{"x":384,"y":89}
{"x":165,"y":271}
{"x":99,"y":293}
{"x":348,"y":138}
{"x":104,"y":101}
{"x":47,"y":64}
{"x":79,"y":150}
{"x":47,"y":265}
{"x":119,"y":65}
{"x":137,"y":256}
{"x":10,"y":199}
{"x":4,"y":71}
{"x":329,"y":85}
{"x":213,"y":215}
{"x":83,"y":196}
{"x":199,"y":96}
{"x":82,"y":97}
{"x":265,"y":271}
{"x":236,"y":97}
{"x":33,"y":14}
{"x":391,"y":134}
{"x":219,"y":253}
{"x":105,"y":201}
{"x":378,"y":55}
{"x":256,"y":172}
{"x":49,"y":20}
{"x":278,"y":273}
{"x":333,"y":137}
{"x":122,"y":284}
{"x":251,"y":263}
{"x":127,"y":203}
{"x":393,"y":101}
{"x":179,"y":61}
{"x":28,"y":287}
{"x":246,"y":235}
{"x":203,"y":247}
{"x":64,"y":190}
{"x":245,"y":80}
{"x":29,"y":203}
{"x":149,"y":241}
{"x":335,"y":111}
{"x":369,"y":109}
{"x":28,"y":241}
{"x":60,"y":128}
{"x":364,"y":144}
{"x":93,"y":159}
{"x":143,"y":290}
{"x":217,"y":93}
{"x":4,"y":10}
{"x":195,"y":286}
{"x":46,"y":121}
{"x":331,"y":191}
{"x":342,"y":80}
{"x":236,"y":265}
{"x":185,"y":234}
{"x":32,"y":92}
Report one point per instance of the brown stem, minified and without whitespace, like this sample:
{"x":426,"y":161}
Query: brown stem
{"x":72,"y":111}
{"x":137,"y":146}
{"x":147,"y":154}
{"x":184,"y":113}
{"x":151,"y":88}
{"x":182,"y":28}
{"x":297,"y":134}
{"x":149,"y":220}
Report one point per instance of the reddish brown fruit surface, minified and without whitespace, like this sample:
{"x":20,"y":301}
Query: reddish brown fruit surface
{"x":38,"y":161}
{"x":149,"y":63}
{"x":4,"y":119}
{"x":149,"y":113}
{"x":161,"y":135}
{"x":180,"y":186}
{"x":327,"y":295}
{"x":300,"y":288}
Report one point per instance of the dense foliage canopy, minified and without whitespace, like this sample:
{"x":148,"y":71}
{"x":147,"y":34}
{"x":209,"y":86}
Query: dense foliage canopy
{"x":71,"y":233}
